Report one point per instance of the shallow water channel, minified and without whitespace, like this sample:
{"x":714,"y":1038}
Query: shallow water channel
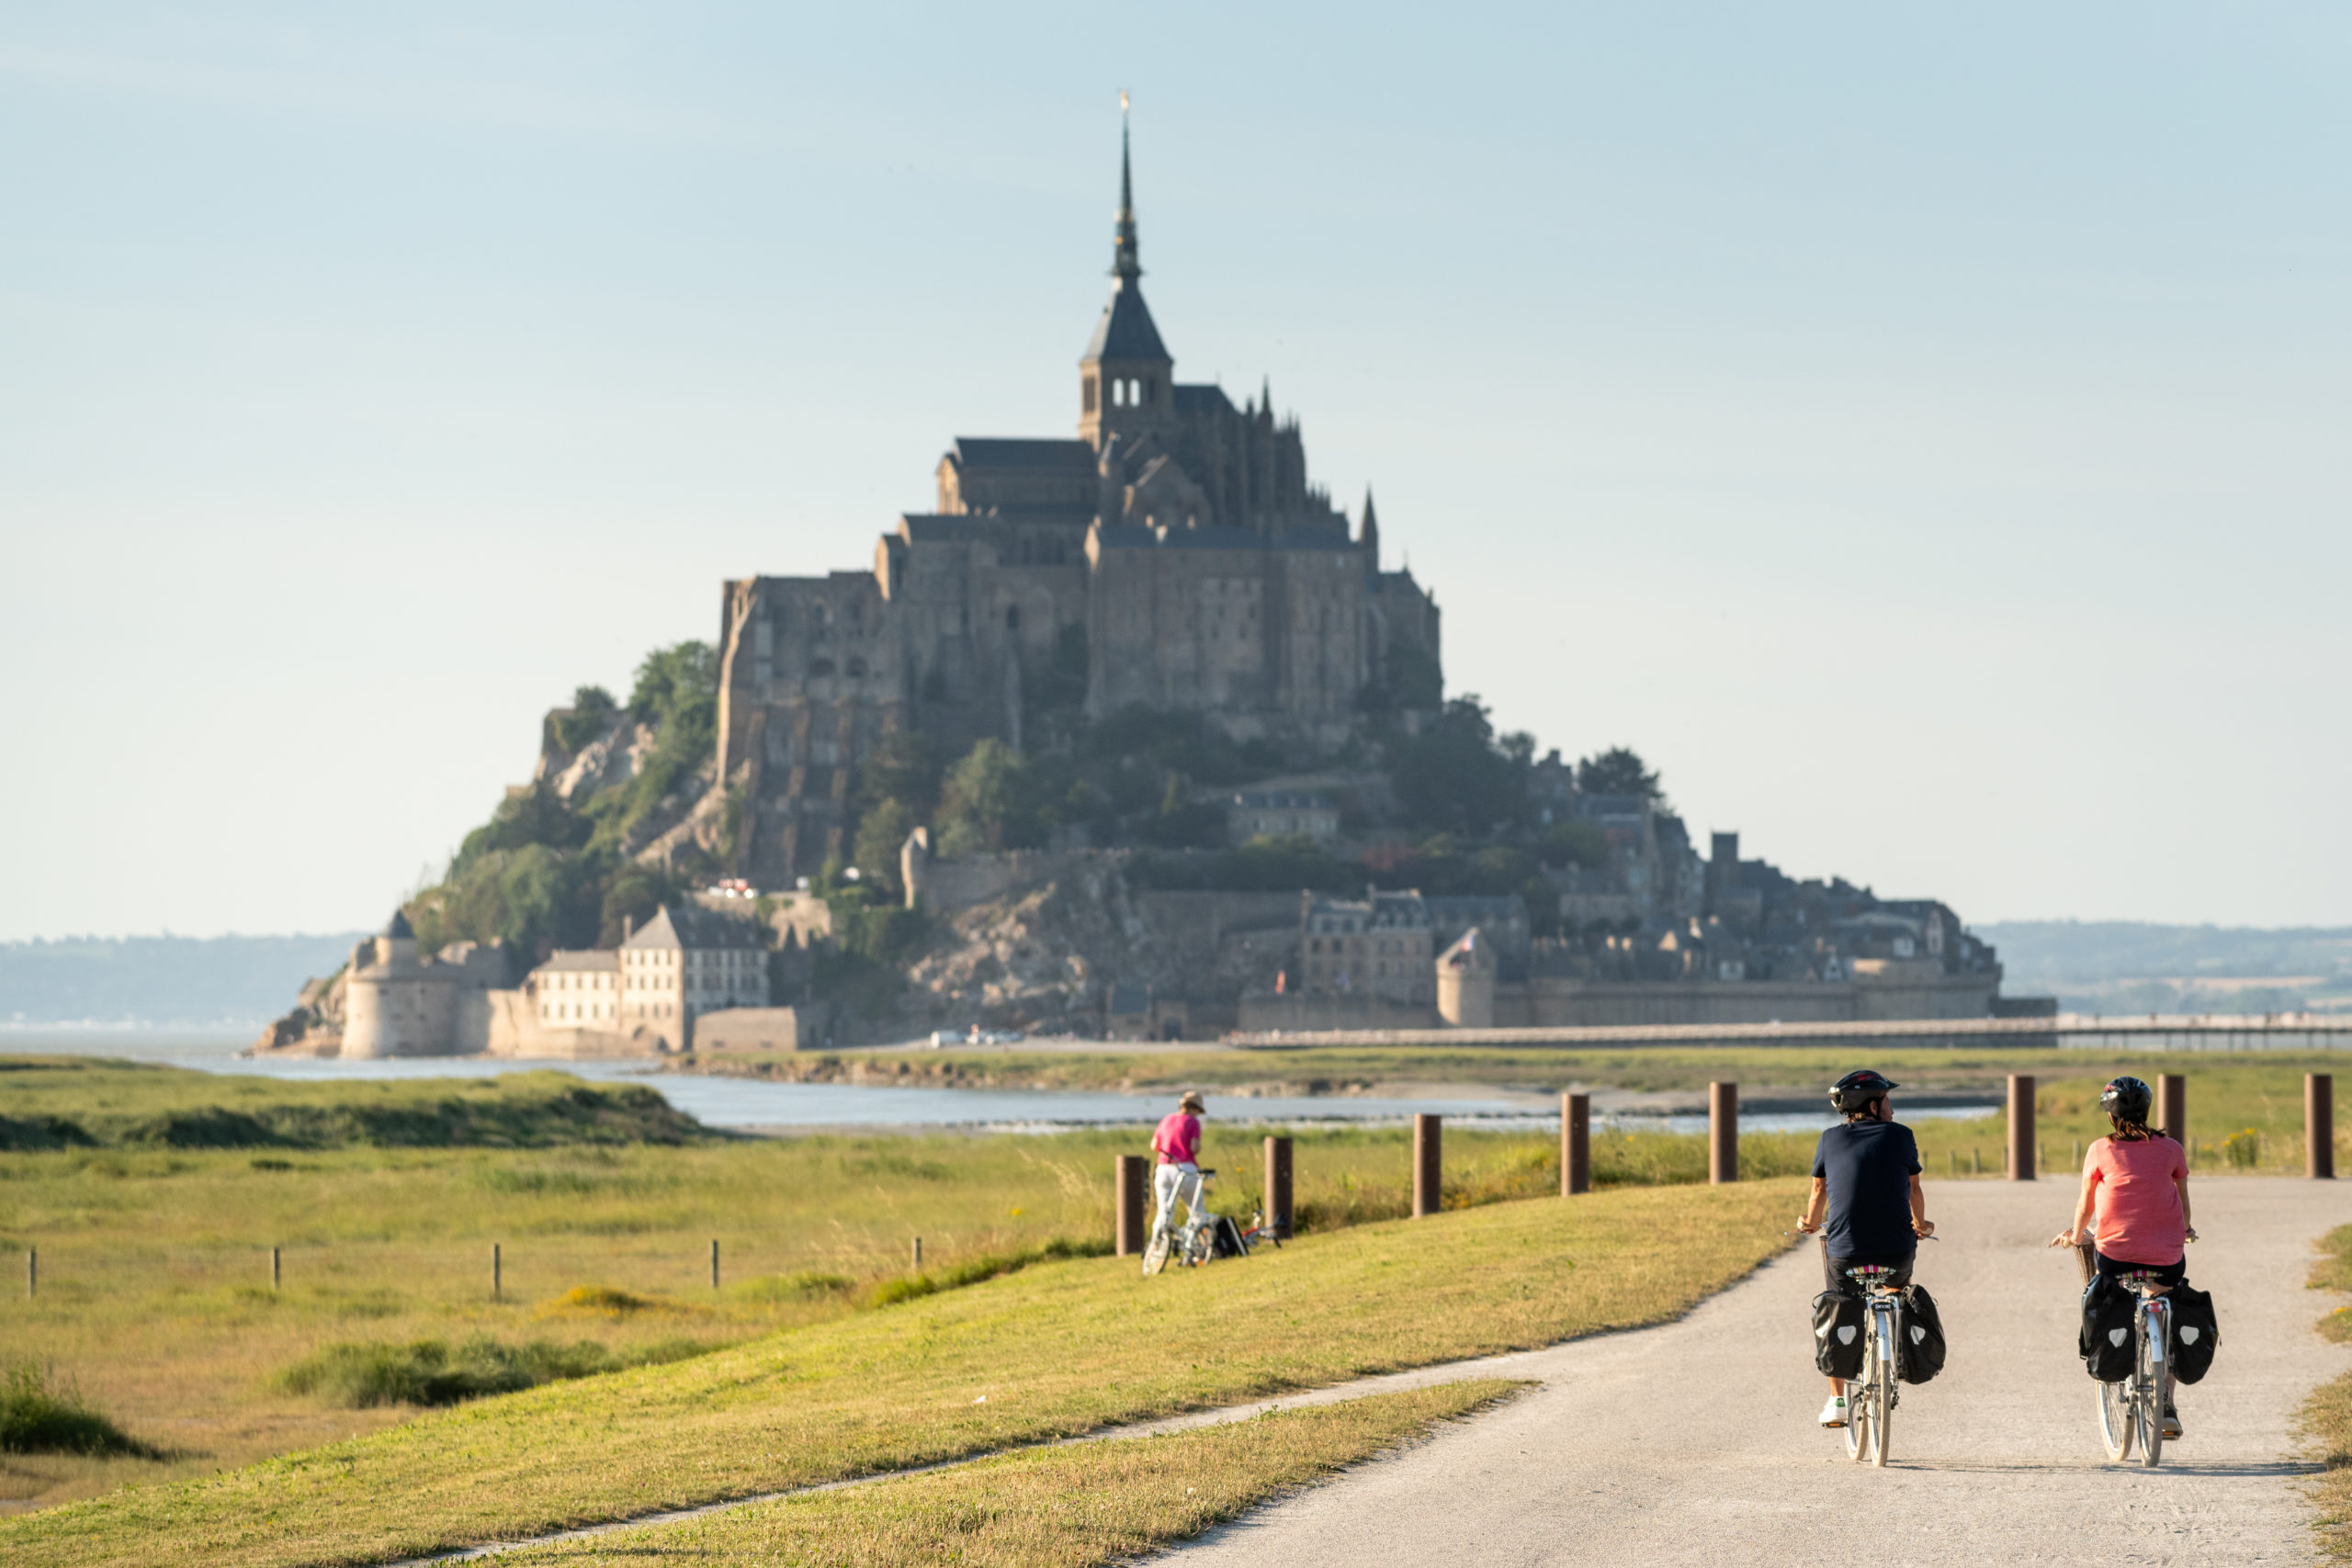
{"x":755,"y":1105}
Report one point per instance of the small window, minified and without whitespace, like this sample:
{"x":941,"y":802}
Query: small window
{"x":1013,"y":617}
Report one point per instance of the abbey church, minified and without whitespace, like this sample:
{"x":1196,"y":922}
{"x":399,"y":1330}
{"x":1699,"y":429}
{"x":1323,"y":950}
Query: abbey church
{"x":1172,"y":554}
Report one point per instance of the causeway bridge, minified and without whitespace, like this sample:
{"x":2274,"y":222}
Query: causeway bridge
{"x":2089,"y":1031}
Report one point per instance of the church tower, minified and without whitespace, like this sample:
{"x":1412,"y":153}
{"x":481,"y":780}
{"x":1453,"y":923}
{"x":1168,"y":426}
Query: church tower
{"x":1127,"y":380}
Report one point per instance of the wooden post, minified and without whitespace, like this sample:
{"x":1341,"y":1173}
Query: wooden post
{"x":1277,"y":1219}
{"x":497,"y":1271}
{"x":2078,"y":1157}
{"x":1130,"y":1179}
{"x":918,"y":1254}
{"x":1576,"y":1145}
{"x":1976,"y":1160}
{"x":2023,"y":1154}
{"x":1722,"y":1132}
{"x":2172,"y":1107}
{"x":1428,"y":1132}
{"x":2319,"y":1126}
{"x":1951,"y":1159}
{"x":713,"y":1263}
{"x":275,"y":1276}
{"x":32,"y":1272}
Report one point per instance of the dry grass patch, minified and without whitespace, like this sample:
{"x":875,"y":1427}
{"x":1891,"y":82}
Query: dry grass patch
{"x":1058,"y":1507}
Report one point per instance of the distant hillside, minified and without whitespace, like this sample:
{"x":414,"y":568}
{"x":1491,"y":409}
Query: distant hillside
{"x":2123,"y":966}
{"x":161,"y":980}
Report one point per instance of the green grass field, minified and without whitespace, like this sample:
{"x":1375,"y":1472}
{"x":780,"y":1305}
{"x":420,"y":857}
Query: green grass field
{"x":1053,"y":1350}
{"x":156,"y":1301}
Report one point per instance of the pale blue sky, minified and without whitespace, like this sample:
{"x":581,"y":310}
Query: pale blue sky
{"x":1921,"y":433}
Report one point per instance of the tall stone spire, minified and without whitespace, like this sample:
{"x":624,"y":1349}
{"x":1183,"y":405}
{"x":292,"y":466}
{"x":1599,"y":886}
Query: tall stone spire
{"x":1126,"y":377}
{"x":1124,"y":261}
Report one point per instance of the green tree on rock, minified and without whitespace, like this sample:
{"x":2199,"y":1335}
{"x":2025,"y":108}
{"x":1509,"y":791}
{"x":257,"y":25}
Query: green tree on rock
{"x":1619,"y":771}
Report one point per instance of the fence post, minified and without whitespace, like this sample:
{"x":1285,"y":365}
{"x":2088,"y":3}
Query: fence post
{"x":2319,"y":1126}
{"x":2172,"y":1107}
{"x":32,"y":1272}
{"x":1129,"y":1179}
{"x":275,"y":1276}
{"x":713,"y":1263}
{"x":918,"y":1254}
{"x":2022,"y":1152}
{"x":497,"y":1271}
{"x":1722,"y":1132}
{"x":1278,"y":1205}
{"x":1576,"y":1145}
{"x":1428,"y":1132}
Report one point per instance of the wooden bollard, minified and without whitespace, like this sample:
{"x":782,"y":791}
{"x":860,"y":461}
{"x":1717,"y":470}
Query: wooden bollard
{"x":2172,"y":1107}
{"x":497,"y":1271}
{"x":32,"y":1272}
{"x":713,"y":1263}
{"x":2023,"y":1154}
{"x":918,"y":1254}
{"x":274,"y":1273}
{"x":2319,"y":1126}
{"x":1576,"y":1145}
{"x":1277,"y":1219}
{"x":1428,"y":1164}
{"x":1130,"y":1179}
{"x":1722,"y":1132}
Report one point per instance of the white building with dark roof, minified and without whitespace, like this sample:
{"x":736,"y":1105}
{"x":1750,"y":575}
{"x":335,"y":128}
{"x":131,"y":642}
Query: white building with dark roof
{"x":686,"y":962}
{"x":578,"y":990}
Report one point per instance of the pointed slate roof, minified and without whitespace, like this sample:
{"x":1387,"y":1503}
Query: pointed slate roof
{"x":397,"y":928}
{"x":1125,"y":331}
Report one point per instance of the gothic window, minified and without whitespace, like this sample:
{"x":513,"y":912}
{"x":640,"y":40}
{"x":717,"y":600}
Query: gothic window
{"x":1118,"y":394}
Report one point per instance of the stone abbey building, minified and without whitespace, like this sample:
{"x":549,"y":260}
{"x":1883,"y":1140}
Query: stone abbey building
{"x":1172,"y":554}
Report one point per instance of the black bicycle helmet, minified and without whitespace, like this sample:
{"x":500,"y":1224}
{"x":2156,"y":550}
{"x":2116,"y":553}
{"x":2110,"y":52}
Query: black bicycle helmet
{"x":1856,"y":1091}
{"x":2127,"y":1100}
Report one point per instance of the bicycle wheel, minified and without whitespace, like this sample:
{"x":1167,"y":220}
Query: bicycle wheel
{"x":2115,"y":1420}
{"x":1155,"y":1253}
{"x":1882,"y":1388}
{"x":2151,"y":1371}
{"x":1858,"y":1419}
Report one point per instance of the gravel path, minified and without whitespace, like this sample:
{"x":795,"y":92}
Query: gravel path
{"x":1695,"y":1443}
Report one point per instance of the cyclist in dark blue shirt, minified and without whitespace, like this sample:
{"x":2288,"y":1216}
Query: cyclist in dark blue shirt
{"x":1866,"y":1204}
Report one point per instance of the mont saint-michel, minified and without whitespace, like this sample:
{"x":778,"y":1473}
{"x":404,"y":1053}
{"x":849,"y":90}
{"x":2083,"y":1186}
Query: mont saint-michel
{"x":1131,"y":732}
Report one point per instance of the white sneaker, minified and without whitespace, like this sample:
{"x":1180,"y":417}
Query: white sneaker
{"x":1834,"y":1412}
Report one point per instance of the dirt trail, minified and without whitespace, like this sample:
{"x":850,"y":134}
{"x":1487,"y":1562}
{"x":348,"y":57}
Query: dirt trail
{"x":1695,"y":1443}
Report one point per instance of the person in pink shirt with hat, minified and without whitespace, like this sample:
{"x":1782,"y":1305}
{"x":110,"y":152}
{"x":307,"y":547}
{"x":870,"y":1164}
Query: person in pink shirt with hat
{"x":1177,"y":1144}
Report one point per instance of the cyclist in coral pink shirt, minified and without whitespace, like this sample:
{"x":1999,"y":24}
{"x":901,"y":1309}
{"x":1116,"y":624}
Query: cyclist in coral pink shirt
{"x":2135,"y":1185}
{"x":1177,"y":1144}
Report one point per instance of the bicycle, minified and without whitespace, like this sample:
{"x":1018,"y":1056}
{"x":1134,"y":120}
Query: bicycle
{"x":1869,"y":1419}
{"x":2133,"y":1409}
{"x":1197,"y":1243}
{"x":1189,"y":1242}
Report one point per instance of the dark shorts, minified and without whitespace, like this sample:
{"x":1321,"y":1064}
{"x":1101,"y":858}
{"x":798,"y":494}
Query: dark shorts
{"x":1833,"y":1269}
{"x":2165,"y":1273}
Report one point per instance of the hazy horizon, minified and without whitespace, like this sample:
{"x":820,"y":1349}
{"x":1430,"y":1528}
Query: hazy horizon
{"x":1916,"y":434}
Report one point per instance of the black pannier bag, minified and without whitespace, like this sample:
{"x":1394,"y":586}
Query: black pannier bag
{"x":2105,"y":1341}
{"x":1225,"y":1239}
{"x":1922,"y":1355}
{"x":1837,"y":1334}
{"x":2196,"y":1333}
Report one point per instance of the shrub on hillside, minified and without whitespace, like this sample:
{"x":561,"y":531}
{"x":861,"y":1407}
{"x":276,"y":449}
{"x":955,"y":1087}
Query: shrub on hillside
{"x":428,"y":1371}
{"x":37,"y":1417}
